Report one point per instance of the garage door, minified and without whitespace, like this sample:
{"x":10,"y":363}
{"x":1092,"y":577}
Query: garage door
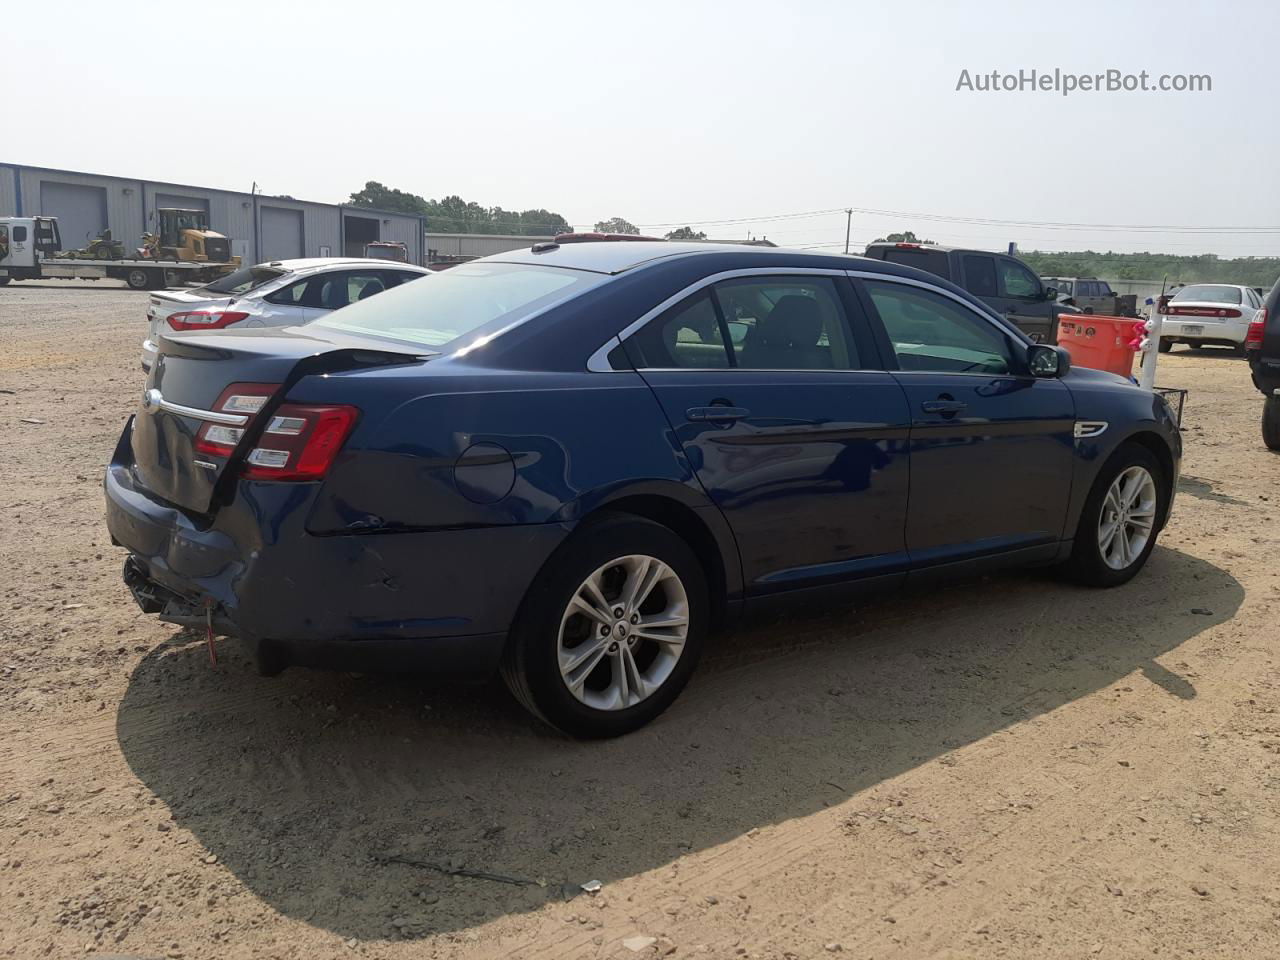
{"x":281,"y":233}
{"x":81,"y":211}
{"x":181,"y":202}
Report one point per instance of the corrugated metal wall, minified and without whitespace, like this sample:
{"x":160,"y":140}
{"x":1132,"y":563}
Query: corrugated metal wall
{"x":8,"y":195}
{"x":476,"y":244}
{"x":131,"y":206}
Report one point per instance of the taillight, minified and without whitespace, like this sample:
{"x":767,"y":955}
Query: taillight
{"x":1256,"y":327}
{"x":205,"y":319}
{"x":245,"y":399}
{"x":300,"y":442}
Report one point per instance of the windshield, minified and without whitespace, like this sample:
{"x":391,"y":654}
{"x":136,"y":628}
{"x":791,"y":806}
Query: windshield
{"x":456,"y":302}
{"x":1208,"y":293}
{"x":242,"y":281}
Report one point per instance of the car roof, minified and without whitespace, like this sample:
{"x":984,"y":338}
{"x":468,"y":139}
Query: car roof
{"x":612,"y":257}
{"x":316,"y":263}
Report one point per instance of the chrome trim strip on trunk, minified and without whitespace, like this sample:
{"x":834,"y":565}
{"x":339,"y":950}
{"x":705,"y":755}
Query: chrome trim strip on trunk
{"x":153,"y":402}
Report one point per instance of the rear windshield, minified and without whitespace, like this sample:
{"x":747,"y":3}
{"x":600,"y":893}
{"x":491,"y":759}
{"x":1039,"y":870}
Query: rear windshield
{"x":934,"y":261}
{"x":456,"y":302}
{"x":242,"y":281}
{"x":1209,"y":293}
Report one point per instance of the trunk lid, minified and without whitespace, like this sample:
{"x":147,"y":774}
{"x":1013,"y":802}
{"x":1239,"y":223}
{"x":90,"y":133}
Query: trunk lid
{"x":191,"y":372}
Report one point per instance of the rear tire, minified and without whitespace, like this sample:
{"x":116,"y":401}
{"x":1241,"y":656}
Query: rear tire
{"x":1166,"y":346}
{"x":138,"y":279}
{"x":1130,"y":494}
{"x":3,"y":281}
{"x":1239,"y":350}
{"x":1271,"y":423}
{"x":629,"y":678}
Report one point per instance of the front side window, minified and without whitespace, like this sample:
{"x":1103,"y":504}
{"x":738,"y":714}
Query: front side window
{"x":338,"y":290}
{"x":930,"y":332}
{"x":1017,"y":281}
{"x":19,"y":234}
{"x":753,"y":323}
{"x":469,"y":299}
{"x":980,"y":275}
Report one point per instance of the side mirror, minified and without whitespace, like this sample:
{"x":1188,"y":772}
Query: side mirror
{"x":1047,"y":362}
{"x":1051,"y":293}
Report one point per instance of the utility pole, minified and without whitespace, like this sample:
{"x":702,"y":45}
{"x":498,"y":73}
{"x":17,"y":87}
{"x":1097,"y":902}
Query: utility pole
{"x":848,"y":221}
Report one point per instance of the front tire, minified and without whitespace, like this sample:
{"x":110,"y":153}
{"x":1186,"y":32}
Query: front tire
{"x":1166,"y":346}
{"x":1271,"y":423}
{"x":1120,"y":521}
{"x":610,"y":630}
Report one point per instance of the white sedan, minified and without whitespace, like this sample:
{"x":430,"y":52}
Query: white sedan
{"x":276,"y":294}
{"x":1209,"y":313}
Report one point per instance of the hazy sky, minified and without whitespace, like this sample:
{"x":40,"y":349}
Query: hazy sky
{"x":671,"y":113}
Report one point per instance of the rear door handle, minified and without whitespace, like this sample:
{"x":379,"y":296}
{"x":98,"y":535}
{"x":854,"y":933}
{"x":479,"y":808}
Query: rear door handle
{"x":717,"y":414}
{"x":943,"y":406}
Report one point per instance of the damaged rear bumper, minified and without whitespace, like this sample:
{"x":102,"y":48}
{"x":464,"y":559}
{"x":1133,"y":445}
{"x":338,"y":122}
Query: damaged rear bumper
{"x":440,"y":600}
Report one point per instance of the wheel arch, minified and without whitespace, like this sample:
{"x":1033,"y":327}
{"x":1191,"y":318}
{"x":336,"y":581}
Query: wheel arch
{"x":1159,"y":448}
{"x":693,"y":518}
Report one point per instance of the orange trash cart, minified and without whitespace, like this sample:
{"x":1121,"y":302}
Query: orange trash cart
{"x":1100,"y":342}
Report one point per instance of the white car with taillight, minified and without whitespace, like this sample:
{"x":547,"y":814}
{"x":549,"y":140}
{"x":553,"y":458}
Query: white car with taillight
{"x":1203,"y":314}
{"x":281,"y":293}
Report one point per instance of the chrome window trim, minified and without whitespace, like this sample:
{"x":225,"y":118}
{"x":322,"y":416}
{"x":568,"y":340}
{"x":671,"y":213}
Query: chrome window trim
{"x":598,"y":362}
{"x":598,"y":358}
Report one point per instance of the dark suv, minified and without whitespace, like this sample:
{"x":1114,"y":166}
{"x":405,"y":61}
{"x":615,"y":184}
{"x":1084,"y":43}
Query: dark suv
{"x":1262,"y":348}
{"x":1004,"y":283}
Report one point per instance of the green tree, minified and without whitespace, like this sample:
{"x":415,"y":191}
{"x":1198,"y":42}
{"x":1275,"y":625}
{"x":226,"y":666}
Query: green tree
{"x":686,"y":233}
{"x":616,"y":225}
{"x":905,"y":237}
{"x":452,"y":214}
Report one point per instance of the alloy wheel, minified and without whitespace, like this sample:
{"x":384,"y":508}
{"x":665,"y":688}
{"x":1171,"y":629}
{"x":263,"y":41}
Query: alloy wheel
{"x":623,"y":632}
{"x":1128,"y":517}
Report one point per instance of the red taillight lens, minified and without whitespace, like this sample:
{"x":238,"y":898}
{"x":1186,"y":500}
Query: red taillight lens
{"x":205,"y":319}
{"x":1225,"y":313}
{"x":1256,"y":328}
{"x":300,"y":442}
{"x":245,"y":399}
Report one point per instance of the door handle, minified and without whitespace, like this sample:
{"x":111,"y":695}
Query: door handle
{"x":717,"y":414}
{"x":944,"y":407}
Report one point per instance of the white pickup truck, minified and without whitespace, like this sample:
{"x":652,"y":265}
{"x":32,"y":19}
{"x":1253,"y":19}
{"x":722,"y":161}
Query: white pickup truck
{"x":27,"y":252}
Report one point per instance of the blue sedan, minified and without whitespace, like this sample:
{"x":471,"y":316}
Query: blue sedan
{"x":570,"y":463}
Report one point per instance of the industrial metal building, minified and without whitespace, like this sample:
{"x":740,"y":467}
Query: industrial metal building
{"x":259,"y":227}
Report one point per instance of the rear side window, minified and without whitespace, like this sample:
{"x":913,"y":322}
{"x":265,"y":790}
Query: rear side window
{"x":753,"y":323}
{"x":930,"y":332}
{"x":934,"y":261}
{"x":468,"y":299}
{"x":980,"y":275}
{"x":689,"y":335}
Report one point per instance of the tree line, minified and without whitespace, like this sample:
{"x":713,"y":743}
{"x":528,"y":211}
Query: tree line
{"x":452,"y":214}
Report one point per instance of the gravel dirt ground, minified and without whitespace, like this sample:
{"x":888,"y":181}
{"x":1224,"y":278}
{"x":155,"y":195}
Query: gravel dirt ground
{"x":1007,"y":767}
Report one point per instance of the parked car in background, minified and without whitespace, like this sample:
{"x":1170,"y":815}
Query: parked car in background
{"x":1262,"y":347}
{"x":1202,"y":314}
{"x":569,"y":462}
{"x":276,"y":294}
{"x":1004,"y":283}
